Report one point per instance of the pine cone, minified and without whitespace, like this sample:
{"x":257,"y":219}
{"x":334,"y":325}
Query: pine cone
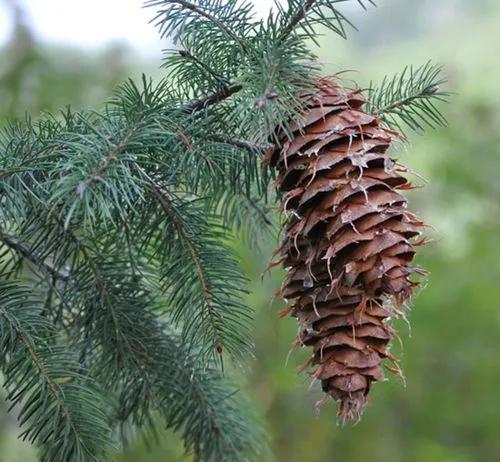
{"x":348,"y":240}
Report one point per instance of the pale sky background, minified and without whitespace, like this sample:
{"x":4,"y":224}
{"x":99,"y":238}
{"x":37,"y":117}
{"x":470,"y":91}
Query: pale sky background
{"x":93,"y":23}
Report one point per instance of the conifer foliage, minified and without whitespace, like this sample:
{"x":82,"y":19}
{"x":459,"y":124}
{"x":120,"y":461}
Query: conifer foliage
{"x":120,"y":298}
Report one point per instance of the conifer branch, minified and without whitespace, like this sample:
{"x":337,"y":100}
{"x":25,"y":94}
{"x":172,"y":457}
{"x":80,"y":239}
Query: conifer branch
{"x":25,"y":252}
{"x":104,"y":163}
{"x":198,"y":10}
{"x":213,"y":98}
{"x":219,"y":431}
{"x":310,"y":13}
{"x":298,"y":16}
{"x":59,"y":407}
{"x":196,"y":262}
{"x":186,"y":54}
{"x":200,"y":272}
{"x":40,"y":367}
{"x":26,"y":165}
{"x":410,"y":97}
{"x":247,"y":145}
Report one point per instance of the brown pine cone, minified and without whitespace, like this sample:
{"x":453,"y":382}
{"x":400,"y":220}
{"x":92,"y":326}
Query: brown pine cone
{"x":348,"y":240}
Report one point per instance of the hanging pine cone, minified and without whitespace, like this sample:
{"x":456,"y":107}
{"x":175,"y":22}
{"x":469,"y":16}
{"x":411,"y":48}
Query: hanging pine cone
{"x":348,"y":240}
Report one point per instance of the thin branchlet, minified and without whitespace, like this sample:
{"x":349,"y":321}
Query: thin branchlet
{"x":25,"y":252}
{"x":410,"y":97}
{"x":307,"y":15}
{"x":105,"y":162}
{"x":213,"y":98}
{"x":186,"y":54}
{"x":250,"y":146}
{"x":168,"y":209}
{"x":297,"y":17}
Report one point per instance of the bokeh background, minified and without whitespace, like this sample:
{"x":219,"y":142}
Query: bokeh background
{"x":449,"y":410}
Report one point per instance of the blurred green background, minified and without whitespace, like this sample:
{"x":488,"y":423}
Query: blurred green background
{"x":449,"y":410}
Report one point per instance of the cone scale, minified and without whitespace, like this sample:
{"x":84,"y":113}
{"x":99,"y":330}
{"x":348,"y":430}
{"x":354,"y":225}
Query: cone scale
{"x":349,"y":241}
